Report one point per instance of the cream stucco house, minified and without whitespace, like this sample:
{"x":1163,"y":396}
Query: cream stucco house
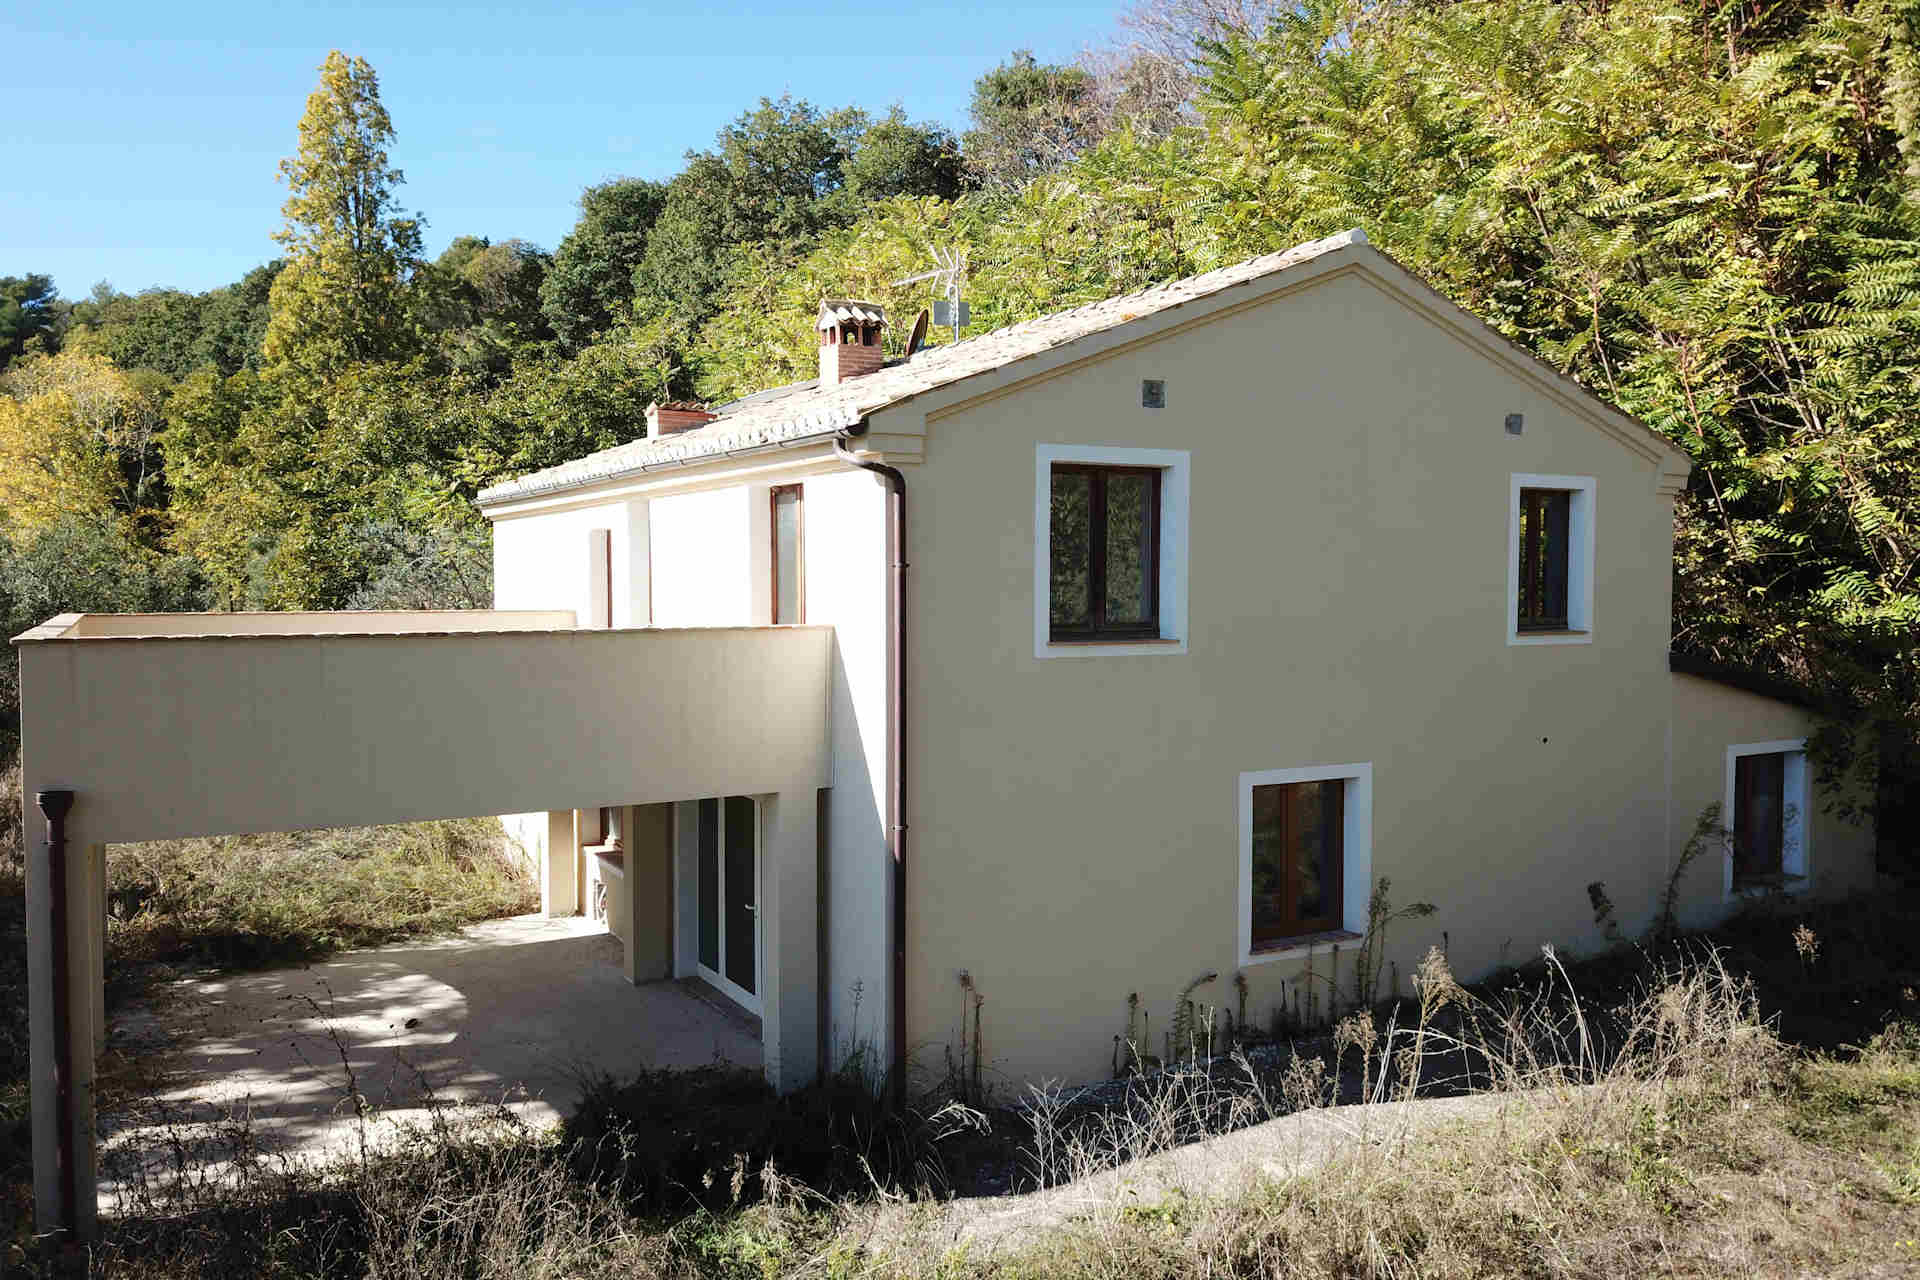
{"x":1227,"y":600}
{"x":1084,"y":658}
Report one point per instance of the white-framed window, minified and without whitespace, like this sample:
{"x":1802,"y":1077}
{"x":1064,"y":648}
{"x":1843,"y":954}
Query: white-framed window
{"x":1306,"y":859}
{"x":1766,"y":812}
{"x":1550,"y":541}
{"x":1110,"y":550}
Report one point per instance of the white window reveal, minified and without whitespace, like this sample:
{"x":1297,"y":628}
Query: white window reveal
{"x":1109,"y":551}
{"x":1306,"y":859}
{"x":1550,"y":545}
{"x":1766,"y":813}
{"x":599,"y":578}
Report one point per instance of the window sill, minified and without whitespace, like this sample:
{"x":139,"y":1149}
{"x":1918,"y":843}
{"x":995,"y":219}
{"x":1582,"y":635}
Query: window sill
{"x":1750,"y":890}
{"x":1550,"y":637}
{"x":612,"y":856}
{"x":1103,"y":646}
{"x":1297,"y":948}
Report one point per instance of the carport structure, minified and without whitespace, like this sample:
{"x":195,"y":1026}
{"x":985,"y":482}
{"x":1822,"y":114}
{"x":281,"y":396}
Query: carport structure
{"x":152,"y":727}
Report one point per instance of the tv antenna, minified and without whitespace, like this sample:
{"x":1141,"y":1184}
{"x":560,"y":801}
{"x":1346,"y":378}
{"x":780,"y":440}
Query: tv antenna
{"x":950,"y":265}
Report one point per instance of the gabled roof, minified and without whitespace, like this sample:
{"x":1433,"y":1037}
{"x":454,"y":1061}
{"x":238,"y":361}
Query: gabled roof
{"x":805,"y":412}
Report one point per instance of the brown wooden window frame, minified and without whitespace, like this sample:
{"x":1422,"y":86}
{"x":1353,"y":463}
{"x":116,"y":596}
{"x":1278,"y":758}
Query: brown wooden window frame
{"x":1290,"y":927}
{"x":1544,"y":599}
{"x":799,"y":493}
{"x":1097,"y":629}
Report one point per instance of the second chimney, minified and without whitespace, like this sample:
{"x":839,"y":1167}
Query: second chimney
{"x":849,"y":339}
{"x":675,"y":415}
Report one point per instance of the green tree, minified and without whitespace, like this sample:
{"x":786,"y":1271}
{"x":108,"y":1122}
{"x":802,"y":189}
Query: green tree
{"x":590,"y":285}
{"x":1029,"y":118}
{"x":1128,"y":213}
{"x":27,"y":313}
{"x":278,"y":476}
{"x":896,"y":157}
{"x":157,"y":329}
{"x":556,"y":409}
{"x":221,"y":514}
{"x":764,"y":335}
{"x":82,"y":564}
{"x":777,"y":176}
{"x":481,"y":302}
{"x":233,"y":321}
{"x":350,"y":251}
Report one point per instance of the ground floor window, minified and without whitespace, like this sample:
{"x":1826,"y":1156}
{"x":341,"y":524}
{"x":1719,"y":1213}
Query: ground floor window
{"x":728,"y":847}
{"x":1305,"y":857}
{"x":1766,"y":806}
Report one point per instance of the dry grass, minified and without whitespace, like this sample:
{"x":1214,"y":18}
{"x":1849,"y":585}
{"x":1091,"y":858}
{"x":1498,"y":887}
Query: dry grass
{"x":1593,"y":1167}
{"x":273,"y":899}
{"x":1694,"y":1143}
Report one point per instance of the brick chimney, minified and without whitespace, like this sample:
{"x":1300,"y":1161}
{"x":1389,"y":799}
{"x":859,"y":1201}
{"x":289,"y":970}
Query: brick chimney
{"x":849,"y":339}
{"x":676,"y":415}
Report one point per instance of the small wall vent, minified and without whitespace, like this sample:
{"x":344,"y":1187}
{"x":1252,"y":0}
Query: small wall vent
{"x":1514,"y":424}
{"x":1153,"y":393}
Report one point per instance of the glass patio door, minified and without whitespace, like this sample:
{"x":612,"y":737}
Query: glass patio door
{"x":730,"y":897}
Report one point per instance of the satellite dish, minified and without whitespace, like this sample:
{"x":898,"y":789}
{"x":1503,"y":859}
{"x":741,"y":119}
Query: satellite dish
{"x":919,"y":336}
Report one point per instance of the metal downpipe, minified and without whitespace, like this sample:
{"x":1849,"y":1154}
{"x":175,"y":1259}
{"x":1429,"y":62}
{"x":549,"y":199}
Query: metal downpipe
{"x":55,"y":805}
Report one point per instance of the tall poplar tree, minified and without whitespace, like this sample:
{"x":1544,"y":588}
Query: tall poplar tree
{"x":280,"y":477}
{"x":351,"y":251}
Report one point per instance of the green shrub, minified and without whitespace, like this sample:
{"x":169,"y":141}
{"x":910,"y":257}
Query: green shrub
{"x":677,"y":1140}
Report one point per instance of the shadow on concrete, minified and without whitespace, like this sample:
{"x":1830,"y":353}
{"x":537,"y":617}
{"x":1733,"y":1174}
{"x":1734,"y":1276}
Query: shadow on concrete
{"x":513,"y":1011}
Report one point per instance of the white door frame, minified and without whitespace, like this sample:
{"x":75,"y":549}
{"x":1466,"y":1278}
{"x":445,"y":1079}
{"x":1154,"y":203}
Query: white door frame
{"x":748,"y":1000}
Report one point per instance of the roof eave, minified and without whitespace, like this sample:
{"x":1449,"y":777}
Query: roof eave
{"x":504,"y":495}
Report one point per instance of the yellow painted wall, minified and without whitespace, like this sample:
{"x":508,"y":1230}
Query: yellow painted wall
{"x":1709,"y":717}
{"x":1074,"y":820}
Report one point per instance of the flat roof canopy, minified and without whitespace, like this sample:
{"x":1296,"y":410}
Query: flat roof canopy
{"x":211,"y":724}
{"x":169,"y":725}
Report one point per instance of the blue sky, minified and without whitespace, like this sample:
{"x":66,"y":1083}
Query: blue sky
{"x":141,"y":140}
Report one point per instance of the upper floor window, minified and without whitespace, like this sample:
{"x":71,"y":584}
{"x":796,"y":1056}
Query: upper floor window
{"x":789,"y":573}
{"x":1109,"y":550}
{"x":1543,"y":559}
{"x":1104,"y":553}
{"x":1550,"y":559}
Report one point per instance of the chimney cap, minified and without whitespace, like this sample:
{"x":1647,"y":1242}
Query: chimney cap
{"x":835,"y":312}
{"x":677,"y":415}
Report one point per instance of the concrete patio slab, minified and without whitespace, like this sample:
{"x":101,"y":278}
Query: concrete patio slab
{"x":514,"y":1011}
